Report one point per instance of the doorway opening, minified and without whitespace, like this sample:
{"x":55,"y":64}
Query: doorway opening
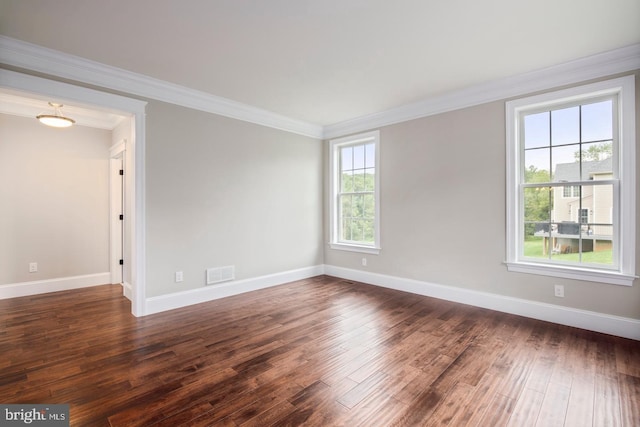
{"x":127,"y":153}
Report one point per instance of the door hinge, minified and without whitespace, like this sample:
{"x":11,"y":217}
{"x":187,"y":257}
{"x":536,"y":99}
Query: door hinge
{"x":121,"y":171}
{"x":121,"y":217}
{"x":121,"y":262}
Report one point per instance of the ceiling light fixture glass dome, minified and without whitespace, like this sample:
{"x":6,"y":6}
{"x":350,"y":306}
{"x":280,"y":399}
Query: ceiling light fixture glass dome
{"x":57,"y":119}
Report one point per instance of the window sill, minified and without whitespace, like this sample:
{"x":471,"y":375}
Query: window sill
{"x":613,"y":277}
{"x":355,"y":248}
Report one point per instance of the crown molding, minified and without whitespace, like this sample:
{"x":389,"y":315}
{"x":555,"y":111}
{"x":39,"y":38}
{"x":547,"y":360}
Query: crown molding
{"x":592,"y":67}
{"x":32,"y":57}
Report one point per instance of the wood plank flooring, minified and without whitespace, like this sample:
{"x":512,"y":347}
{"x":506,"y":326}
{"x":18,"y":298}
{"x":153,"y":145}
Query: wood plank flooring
{"x":317,"y":352}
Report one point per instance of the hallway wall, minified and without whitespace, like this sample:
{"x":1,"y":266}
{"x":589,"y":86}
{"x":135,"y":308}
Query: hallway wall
{"x":54,"y":200}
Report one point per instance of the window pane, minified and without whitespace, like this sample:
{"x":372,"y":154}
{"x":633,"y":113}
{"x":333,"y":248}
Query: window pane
{"x":598,"y":199}
{"x":369,"y":206}
{"x":536,"y":130}
{"x":596,"y":152}
{"x":370,"y":179}
{"x":345,"y":206}
{"x":565,"y":166}
{"x":585,"y":226}
{"x":358,"y":180}
{"x":346,"y":158}
{"x":537,"y":204}
{"x":583,"y":250}
{"x":357,"y":230}
{"x":601,"y":245}
{"x":368,"y":230}
{"x":565,"y":126}
{"x":346,"y":182}
{"x":345,"y":231}
{"x":536,"y":163}
{"x":357,"y":210}
{"x":358,"y":157}
{"x":537,"y":217}
{"x":370,"y":156}
{"x":567,"y":209}
{"x":597,"y":121}
{"x":536,"y":245}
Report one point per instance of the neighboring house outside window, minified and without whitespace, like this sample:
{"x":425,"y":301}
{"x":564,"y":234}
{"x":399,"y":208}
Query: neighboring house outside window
{"x":355,"y":200}
{"x":571,"y":183}
{"x":569,"y":208}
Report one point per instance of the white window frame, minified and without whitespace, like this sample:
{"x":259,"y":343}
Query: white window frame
{"x":334,"y":158}
{"x":624,"y":273}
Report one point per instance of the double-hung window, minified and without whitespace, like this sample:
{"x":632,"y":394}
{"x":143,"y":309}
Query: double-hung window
{"x":355,"y":200}
{"x":571,"y":183}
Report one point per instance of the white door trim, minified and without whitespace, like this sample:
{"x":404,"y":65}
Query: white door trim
{"x":117,"y":193}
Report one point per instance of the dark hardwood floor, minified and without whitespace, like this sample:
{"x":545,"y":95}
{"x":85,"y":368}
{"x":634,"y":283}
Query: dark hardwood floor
{"x":318,"y":352}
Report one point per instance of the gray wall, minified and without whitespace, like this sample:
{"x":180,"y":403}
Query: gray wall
{"x":225,"y":192}
{"x":443,"y":213}
{"x":54,"y":200}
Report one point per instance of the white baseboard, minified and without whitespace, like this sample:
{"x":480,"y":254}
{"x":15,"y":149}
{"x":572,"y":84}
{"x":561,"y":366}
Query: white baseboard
{"x":590,"y":320}
{"x":222,"y":290}
{"x":14,"y":290}
{"x":127,"y":290}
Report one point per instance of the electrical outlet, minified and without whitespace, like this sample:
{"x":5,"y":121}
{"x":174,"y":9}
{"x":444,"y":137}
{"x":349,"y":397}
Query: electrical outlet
{"x":559,"y":291}
{"x":179,"y":276}
{"x":33,"y":267}
{"x":364,"y":262}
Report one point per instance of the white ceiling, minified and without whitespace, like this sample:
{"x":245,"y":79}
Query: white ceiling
{"x":326,"y":61}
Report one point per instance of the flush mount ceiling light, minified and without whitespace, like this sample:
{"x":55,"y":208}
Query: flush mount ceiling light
{"x":57,"y":119}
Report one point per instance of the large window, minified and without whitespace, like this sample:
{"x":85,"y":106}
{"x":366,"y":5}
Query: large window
{"x":571,"y":183}
{"x":355,"y":201}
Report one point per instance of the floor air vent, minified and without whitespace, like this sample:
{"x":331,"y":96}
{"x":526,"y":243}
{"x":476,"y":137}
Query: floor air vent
{"x":220,"y":274}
